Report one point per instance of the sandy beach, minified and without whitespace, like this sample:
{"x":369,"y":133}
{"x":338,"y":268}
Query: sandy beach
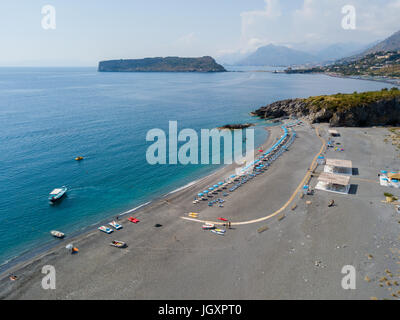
{"x":299,"y":256}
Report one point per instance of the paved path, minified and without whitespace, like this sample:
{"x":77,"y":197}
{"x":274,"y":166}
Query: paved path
{"x":298,"y":189}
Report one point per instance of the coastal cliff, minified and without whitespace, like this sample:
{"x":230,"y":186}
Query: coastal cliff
{"x":168,"y":64}
{"x":349,"y":110}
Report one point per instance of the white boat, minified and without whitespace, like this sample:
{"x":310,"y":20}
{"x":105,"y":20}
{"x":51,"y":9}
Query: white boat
{"x":57,"y":234}
{"x":105,"y":229}
{"x":57,"y":194}
{"x":115,"y":225}
{"x":208,"y":226}
{"x":118,"y":244}
{"x":220,"y":232}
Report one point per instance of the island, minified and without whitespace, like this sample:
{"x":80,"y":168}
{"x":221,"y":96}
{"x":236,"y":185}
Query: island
{"x":168,"y":64}
{"x":374,"y":108}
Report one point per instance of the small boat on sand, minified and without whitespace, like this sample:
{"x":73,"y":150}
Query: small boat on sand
{"x":57,"y":234}
{"x":105,"y":229}
{"x":208,"y":226}
{"x":133,"y":220}
{"x":57,"y":194}
{"x":220,"y":232}
{"x":118,"y":244}
{"x":115,"y":225}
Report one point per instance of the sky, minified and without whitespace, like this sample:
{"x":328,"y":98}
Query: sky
{"x":93,"y":30}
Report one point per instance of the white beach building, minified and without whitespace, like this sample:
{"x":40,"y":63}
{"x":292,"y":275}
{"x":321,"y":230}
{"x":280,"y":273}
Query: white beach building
{"x":334,"y":133}
{"x":339,"y":166}
{"x":333,"y":183}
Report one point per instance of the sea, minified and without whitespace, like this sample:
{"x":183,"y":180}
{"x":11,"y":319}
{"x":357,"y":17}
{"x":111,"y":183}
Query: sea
{"x":49,"y":116}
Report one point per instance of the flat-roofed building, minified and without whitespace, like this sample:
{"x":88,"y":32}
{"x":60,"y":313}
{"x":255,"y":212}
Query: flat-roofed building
{"x":333,"y":183}
{"x":334,"y":133}
{"x":339,"y":166}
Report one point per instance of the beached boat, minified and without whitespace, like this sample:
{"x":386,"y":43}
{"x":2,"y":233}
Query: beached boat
{"x":115,"y":225}
{"x":57,"y":194}
{"x":133,"y":220}
{"x":208,"y":226}
{"x":220,"y":232}
{"x":105,"y":229}
{"x":57,"y":234}
{"x":118,"y":244}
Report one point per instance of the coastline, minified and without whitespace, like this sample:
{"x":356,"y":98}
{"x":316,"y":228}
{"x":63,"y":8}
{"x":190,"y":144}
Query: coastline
{"x":392,"y":81}
{"x":290,"y":257}
{"x":28,"y":257}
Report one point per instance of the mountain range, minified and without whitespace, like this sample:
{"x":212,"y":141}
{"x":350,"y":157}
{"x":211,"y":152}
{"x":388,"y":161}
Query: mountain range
{"x":277,"y":55}
{"x":390,"y":44}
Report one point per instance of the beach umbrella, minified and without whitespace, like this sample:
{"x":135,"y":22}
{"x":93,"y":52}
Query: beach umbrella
{"x":200,"y":194}
{"x":215,"y":186}
{"x":211,"y":189}
{"x":233,"y":176}
{"x":220,"y":183}
{"x":383,"y":171}
{"x":222,"y":219}
{"x":205,"y":191}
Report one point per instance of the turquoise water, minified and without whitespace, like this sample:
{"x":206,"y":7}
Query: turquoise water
{"x":50,"y":116}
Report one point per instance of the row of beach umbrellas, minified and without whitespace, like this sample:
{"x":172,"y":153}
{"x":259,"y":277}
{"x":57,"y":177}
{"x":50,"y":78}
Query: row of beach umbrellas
{"x":253,"y":164}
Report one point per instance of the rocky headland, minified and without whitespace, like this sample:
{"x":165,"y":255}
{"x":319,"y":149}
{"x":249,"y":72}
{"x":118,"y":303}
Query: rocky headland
{"x":376,"y":108}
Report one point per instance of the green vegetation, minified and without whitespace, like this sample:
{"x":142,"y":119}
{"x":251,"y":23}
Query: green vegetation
{"x":382,"y":64}
{"x":168,"y":64}
{"x":390,"y":196}
{"x":342,"y":102}
{"x":374,"y":64}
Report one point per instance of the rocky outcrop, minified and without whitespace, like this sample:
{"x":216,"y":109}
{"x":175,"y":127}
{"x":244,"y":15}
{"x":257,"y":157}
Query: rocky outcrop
{"x":236,"y":126}
{"x":168,"y":64}
{"x":381,"y":112}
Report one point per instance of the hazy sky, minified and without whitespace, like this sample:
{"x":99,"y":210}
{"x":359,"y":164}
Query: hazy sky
{"x":91,"y":30}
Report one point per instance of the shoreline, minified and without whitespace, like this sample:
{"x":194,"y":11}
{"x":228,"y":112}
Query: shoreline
{"x":287,"y":256}
{"x":29,"y":256}
{"x":392,"y":81}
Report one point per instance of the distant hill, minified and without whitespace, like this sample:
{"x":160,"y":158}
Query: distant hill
{"x":168,"y":64}
{"x":276,"y":56}
{"x":390,"y":44}
{"x":340,"y":50}
{"x":380,"y":64}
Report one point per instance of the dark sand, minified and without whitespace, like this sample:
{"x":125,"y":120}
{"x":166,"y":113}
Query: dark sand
{"x":299,"y":257}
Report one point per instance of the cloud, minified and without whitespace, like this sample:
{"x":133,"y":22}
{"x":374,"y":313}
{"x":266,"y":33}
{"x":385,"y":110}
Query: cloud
{"x":253,"y":20}
{"x":186,"y":40}
{"x":317,"y":21}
